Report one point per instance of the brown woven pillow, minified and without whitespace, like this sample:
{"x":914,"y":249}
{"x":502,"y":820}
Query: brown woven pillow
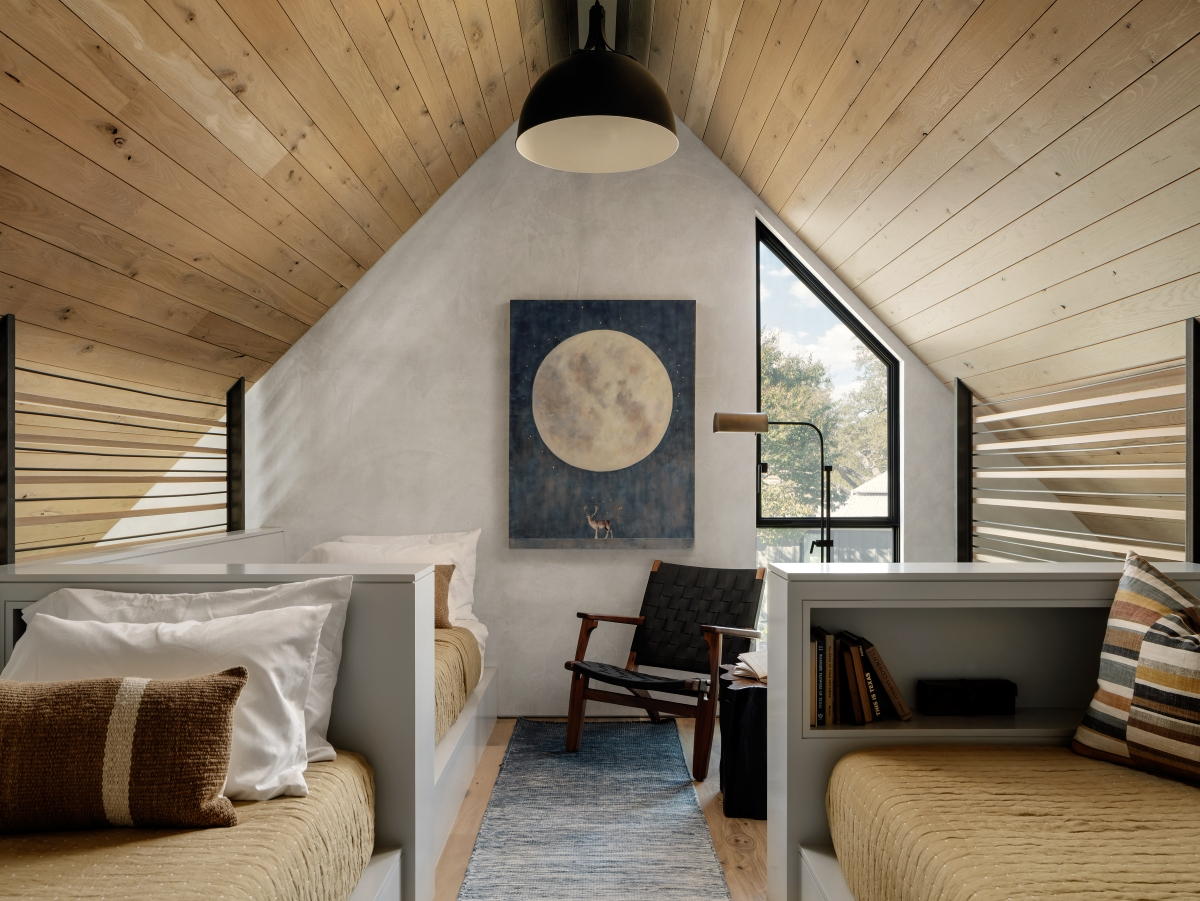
{"x":119,"y":752}
{"x":442,"y":574}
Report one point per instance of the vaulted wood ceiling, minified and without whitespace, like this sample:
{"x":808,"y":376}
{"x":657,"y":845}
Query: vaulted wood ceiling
{"x":187,"y":185}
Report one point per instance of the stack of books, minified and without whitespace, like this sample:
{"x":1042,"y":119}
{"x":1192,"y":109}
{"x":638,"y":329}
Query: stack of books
{"x":849,"y":682}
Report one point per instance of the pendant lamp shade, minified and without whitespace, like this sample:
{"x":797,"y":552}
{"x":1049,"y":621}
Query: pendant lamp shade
{"x":597,"y":111}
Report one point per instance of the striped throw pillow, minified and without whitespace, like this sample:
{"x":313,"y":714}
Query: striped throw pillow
{"x":1164,"y":718}
{"x":1144,"y":598}
{"x":151,"y":753}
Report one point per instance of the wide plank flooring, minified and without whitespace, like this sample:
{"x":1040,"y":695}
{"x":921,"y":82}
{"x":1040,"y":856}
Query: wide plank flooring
{"x":741,"y":845}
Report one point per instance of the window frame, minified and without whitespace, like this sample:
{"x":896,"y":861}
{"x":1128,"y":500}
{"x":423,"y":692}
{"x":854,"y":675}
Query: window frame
{"x":800,"y":269}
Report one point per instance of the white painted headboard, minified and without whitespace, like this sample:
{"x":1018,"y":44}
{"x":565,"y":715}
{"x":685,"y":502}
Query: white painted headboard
{"x":383,"y":707}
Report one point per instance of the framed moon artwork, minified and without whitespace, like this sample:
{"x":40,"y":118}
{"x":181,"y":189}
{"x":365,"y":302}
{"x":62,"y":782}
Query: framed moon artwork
{"x":602,"y":424}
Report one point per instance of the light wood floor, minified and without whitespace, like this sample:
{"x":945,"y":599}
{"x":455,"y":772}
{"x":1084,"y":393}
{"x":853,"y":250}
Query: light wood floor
{"x":741,"y":845}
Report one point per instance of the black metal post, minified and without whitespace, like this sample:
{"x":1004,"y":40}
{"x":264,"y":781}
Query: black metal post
{"x":235,"y":457}
{"x":964,"y":427}
{"x":825,"y":543}
{"x":8,"y":423}
{"x":1192,"y":498}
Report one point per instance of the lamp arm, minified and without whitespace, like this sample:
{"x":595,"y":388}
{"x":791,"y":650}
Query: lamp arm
{"x":826,"y":541}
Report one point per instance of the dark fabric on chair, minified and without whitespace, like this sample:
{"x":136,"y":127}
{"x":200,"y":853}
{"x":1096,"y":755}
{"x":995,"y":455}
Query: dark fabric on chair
{"x":617,"y":675}
{"x":679,"y":599}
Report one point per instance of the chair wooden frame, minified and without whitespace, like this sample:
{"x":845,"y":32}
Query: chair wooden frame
{"x":704,"y":711}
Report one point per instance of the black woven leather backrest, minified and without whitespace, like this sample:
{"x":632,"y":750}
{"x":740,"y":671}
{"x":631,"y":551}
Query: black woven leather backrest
{"x":680,"y":599}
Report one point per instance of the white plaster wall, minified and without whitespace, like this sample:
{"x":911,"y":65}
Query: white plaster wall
{"x":391,"y":415}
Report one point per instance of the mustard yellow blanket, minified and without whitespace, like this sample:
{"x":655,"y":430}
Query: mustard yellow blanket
{"x":298,"y":849}
{"x":456,"y":670}
{"x":952,"y":823}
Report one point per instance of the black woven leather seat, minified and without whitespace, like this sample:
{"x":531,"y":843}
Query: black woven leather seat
{"x":632,"y":679}
{"x":692,"y":619}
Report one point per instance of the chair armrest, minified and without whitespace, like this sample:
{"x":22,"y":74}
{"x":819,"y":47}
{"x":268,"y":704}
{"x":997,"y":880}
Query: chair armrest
{"x":624,"y":620}
{"x":732,"y":632}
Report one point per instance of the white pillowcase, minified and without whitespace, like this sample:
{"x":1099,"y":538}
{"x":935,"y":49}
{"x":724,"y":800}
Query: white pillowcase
{"x":455,"y":547}
{"x":119,"y":607}
{"x":277,"y":647}
{"x":452,"y":547}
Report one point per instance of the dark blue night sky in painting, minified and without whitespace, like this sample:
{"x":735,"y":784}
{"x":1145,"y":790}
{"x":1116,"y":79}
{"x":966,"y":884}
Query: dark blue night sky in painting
{"x":651,"y":503}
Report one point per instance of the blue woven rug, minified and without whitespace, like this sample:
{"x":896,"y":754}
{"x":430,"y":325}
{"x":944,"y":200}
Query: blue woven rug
{"x":618,"y":819}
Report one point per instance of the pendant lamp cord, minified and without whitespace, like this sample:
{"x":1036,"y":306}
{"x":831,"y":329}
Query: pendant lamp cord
{"x":595,"y":39}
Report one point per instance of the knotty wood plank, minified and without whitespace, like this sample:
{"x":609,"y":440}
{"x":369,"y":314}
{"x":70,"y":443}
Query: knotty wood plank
{"x":27,"y":401}
{"x":693,"y":14}
{"x":407,"y":25}
{"x":63,"y":278}
{"x":1078,"y":122}
{"x":789,"y":31}
{"x":478,"y":32}
{"x":1175,"y":301}
{"x":873,"y":35}
{"x":1144,"y":348}
{"x":275,"y":38}
{"x":925,"y":36}
{"x":510,"y":44}
{"x":44,"y":99}
{"x":1162,"y":158}
{"x":36,"y":156}
{"x":219,"y":43}
{"x":750,"y":33}
{"x":1145,"y":269}
{"x":203,"y":302}
{"x":443,"y":33}
{"x":987,"y":36}
{"x":554,"y":17}
{"x":662,"y":39}
{"x":295,"y":208}
{"x":1058,"y":37}
{"x":741,"y":844}
{"x":533,"y":37}
{"x":714,"y":48}
{"x":327,"y":38}
{"x":1170,"y":209}
{"x":374,"y":40}
{"x":107,"y":515}
{"x":40,"y":345}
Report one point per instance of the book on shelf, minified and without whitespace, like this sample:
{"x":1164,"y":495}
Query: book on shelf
{"x":822,"y":682}
{"x":884,"y":679}
{"x":859,"y":679}
{"x":812,"y":683}
{"x":854,"y":701}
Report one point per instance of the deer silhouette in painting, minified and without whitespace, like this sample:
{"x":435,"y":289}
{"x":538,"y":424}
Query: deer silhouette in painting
{"x":598,"y":524}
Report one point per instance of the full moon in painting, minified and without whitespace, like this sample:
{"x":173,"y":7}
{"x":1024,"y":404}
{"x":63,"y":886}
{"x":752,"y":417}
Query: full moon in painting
{"x":602,"y":400}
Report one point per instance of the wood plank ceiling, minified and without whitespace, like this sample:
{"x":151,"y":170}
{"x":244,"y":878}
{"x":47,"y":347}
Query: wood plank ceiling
{"x":187,"y":185}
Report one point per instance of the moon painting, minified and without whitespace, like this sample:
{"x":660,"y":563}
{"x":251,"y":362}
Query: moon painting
{"x":602,"y":424}
{"x":602,"y":400}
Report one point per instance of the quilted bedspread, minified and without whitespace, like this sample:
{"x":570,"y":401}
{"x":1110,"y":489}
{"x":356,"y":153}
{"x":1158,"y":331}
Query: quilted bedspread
{"x":457,"y":667}
{"x":952,"y":823}
{"x":286,"y":849}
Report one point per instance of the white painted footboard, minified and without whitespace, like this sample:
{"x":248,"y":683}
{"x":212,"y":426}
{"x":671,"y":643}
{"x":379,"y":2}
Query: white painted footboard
{"x":383,"y":704}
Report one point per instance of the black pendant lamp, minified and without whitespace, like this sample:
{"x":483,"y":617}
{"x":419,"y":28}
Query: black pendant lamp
{"x":597,"y":111}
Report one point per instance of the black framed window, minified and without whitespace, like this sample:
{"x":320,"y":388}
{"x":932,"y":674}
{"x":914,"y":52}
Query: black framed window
{"x":816,"y":362}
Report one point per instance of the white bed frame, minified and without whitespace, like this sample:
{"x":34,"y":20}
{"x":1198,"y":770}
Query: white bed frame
{"x":1040,"y":625}
{"x":383,"y":706}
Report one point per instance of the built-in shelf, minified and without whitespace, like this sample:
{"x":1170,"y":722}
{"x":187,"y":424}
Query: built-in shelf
{"x":1029,"y":722}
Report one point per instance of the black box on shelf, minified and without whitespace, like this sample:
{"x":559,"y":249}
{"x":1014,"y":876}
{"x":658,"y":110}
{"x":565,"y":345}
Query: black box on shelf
{"x":966,"y":697}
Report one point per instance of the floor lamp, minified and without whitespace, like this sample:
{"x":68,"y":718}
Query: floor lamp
{"x":758,"y":423}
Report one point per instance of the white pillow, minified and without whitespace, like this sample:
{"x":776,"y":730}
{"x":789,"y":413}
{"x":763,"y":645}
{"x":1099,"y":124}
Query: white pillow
{"x":459,"y":549}
{"x":277,"y":647}
{"x":118,"y":607}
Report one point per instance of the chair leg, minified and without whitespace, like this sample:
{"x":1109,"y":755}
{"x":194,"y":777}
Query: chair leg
{"x":579,"y":684}
{"x":702,"y":750}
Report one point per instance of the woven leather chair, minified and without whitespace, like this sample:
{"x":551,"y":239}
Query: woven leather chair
{"x":692,"y":619}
